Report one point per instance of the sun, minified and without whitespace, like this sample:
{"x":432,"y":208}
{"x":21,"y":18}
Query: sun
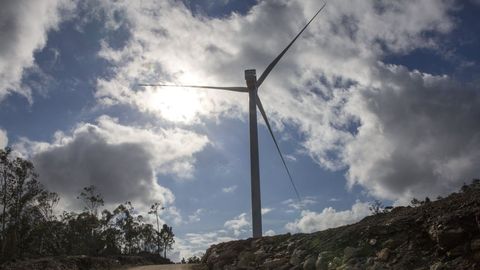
{"x":174,"y":104}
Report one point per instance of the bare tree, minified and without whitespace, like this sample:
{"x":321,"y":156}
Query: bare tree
{"x":154,"y":210}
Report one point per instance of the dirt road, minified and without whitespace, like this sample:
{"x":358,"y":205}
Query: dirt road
{"x":165,"y":267}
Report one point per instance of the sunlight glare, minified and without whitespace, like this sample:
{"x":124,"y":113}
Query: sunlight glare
{"x":174,"y":104}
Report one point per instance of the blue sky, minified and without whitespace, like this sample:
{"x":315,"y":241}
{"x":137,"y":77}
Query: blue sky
{"x":377,"y":100}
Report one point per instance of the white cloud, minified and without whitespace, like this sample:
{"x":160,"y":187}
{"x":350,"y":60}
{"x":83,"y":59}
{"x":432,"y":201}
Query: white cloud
{"x":290,"y":157}
{"x":295,"y":204}
{"x":229,"y":189}
{"x":269,"y":233}
{"x":331,"y":81}
{"x":195,"y":217}
{"x":197,"y":243}
{"x":122,"y":161}
{"x":329,"y":218}
{"x":238,"y":225}
{"x":3,"y":139}
{"x":266,"y":210}
{"x":24,"y":26}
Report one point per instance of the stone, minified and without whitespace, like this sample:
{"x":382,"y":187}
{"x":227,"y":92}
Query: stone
{"x":309,"y":263}
{"x":275,"y":263}
{"x":476,"y":256}
{"x":297,"y":256}
{"x":334,"y":263}
{"x":245,"y":259}
{"x":437,"y":266}
{"x":291,"y":247}
{"x":260,"y":255}
{"x":456,"y":252}
{"x":322,"y":261}
{"x":450,"y":238}
{"x":475,"y":244}
{"x":383,"y":254}
{"x":391,"y":244}
{"x":350,"y":252}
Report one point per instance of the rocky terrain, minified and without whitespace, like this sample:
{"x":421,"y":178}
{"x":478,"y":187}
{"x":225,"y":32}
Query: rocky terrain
{"x":444,"y":234}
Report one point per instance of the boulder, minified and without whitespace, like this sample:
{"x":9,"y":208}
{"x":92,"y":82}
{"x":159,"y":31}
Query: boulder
{"x":383,"y":255}
{"x":350,"y":252}
{"x":309,"y":263}
{"x":475,"y":244}
{"x":450,"y":238}
{"x":246,"y":259}
{"x":298,"y":256}
{"x":274,"y":264}
{"x":322,"y":261}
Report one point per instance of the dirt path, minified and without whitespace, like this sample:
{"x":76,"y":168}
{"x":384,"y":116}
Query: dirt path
{"x":165,"y":267}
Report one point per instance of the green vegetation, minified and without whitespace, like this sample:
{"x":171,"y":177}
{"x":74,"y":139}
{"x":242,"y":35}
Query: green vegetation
{"x":29,"y":228}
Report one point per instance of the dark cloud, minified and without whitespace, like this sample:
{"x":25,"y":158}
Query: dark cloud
{"x":121,"y":172}
{"x":121,"y":161}
{"x":419,"y":135}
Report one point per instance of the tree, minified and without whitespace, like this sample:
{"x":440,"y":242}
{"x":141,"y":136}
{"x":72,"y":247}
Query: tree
{"x":193,"y":260}
{"x":20,"y":188}
{"x":376,"y":207}
{"x":7,"y":174}
{"x":154,"y":210}
{"x":166,"y":235}
{"x":91,"y":199}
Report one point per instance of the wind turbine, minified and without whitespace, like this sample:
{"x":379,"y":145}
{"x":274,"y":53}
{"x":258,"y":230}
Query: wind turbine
{"x":254,"y":101}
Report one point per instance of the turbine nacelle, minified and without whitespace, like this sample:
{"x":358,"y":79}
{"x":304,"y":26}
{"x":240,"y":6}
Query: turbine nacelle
{"x":251,"y":78}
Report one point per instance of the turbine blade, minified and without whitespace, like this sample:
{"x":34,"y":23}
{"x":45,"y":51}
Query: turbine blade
{"x":262,"y":111}
{"x":275,"y":61}
{"x":235,"y":89}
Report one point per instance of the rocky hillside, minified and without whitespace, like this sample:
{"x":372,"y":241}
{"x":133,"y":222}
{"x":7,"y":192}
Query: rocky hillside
{"x":444,"y":234}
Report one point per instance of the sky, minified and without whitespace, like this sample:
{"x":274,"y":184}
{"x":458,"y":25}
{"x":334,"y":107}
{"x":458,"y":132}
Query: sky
{"x":378,"y":100}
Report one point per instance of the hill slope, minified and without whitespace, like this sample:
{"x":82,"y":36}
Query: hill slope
{"x":444,"y":234}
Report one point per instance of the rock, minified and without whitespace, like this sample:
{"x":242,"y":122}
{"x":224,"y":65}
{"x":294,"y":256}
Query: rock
{"x":476,"y":256}
{"x":275,"y":263}
{"x":291,"y":247}
{"x":350,"y":252}
{"x":456,"y":251}
{"x":260,"y":255}
{"x":377,"y":266}
{"x":322,"y":261}
{"x":383,"y":254}
{"x":245,"y":259}
{"x":475,"y":244}
{"x":391,"y":244}
{"x":334,"y":263}
{"x":437,"y":266}
{"x":309,"y":263}
{"x":297,"y":256}
{"x":450,"y":238}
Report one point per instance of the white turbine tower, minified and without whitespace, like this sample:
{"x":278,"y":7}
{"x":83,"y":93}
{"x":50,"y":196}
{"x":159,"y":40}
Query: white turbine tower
{"x":254,"y":101}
